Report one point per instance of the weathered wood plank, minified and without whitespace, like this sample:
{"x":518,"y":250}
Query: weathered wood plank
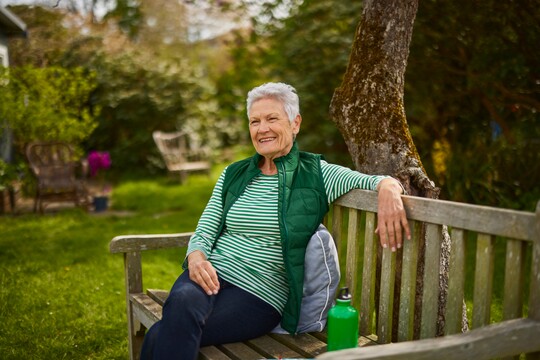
{"x":483,"y":280}
{"x":514,"y":277}
{"x":386,"y":299}
{"x":534,"y":298}
{"x":129,"y":243}
{"x":212,"y":353}
{"x":456,"y":283}
{"x":271,"y":348}
{"x":369,"y":272}
{"x":408,"y":284}
{"x":239,"y":351}
{"x":430,"y":294}
{"x":146,"y":309}
{"x":337,"y":220}
{"x":305,"y":344}
{"x":157,"y":295}
{"x":352,"y":252}
{"x":500,"y":222}
{"x":494,"y":341}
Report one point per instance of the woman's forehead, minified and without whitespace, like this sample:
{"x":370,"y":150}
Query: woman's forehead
{"x":265,"y":106}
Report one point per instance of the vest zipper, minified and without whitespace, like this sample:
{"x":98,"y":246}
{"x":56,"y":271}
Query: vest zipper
{"x":283,"y":203}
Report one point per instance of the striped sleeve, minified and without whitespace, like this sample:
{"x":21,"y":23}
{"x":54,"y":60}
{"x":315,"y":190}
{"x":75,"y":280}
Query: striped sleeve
{"x":208,"y":226}
{"x":338,"y":180}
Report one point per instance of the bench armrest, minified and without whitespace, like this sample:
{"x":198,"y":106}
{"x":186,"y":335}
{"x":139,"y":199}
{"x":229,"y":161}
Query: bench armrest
{"x":507,"y":338}
{"x":130,"y":243}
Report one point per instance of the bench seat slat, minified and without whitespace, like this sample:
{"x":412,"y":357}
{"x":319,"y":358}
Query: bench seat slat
{"x":157,"y":295}
{"x":272,"y":348}
{"x":304,"y":344}
{"x":239,"y":351}
{"x":146,"y":309}
{"x":212,"y":353}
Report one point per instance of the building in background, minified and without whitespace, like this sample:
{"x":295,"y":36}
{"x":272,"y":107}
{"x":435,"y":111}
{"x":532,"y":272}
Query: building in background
{"x":10,"y":26}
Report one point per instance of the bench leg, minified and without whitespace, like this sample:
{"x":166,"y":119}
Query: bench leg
{"x":135,"y":337}
{"x":133,"y":277}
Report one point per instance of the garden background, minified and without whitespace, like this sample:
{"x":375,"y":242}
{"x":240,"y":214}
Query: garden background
{"x":104,"y":75}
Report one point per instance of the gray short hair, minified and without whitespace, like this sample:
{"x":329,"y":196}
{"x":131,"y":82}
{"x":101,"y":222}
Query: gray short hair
{"x":284,"y":93}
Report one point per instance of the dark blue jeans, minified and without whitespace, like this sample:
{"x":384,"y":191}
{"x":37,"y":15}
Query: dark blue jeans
{"x":192,"y":319}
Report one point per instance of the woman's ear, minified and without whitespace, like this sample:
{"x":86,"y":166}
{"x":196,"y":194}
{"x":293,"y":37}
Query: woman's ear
{"x":296,"y":124}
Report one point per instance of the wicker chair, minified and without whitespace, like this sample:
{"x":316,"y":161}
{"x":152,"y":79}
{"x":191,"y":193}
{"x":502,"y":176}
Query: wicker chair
{"x":59,"y":176}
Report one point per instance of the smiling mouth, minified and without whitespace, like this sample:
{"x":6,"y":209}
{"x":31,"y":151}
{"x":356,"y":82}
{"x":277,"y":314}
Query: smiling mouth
{"x":266,"y":140}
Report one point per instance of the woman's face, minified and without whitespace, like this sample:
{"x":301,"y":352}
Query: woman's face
{"x":271,"y":131}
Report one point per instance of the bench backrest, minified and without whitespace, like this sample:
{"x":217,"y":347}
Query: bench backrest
{"x":485,"y":241}
{"x":177,"y":148}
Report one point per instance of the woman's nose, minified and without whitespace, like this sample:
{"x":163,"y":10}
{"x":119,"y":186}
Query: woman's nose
{"x":263,"y":127}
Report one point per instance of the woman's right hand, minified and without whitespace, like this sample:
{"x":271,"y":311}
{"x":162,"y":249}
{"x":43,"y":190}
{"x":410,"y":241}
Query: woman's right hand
{"x":203,"y":273}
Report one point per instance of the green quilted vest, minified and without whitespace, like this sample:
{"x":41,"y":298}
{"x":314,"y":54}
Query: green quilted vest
{"x":302,"y":205}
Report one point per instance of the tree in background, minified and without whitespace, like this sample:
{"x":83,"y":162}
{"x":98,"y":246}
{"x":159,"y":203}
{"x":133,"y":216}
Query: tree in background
{"x":48,"y":104}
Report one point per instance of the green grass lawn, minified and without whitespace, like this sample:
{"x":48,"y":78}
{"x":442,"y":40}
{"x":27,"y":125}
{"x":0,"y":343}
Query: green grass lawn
{"x":62,"y":292}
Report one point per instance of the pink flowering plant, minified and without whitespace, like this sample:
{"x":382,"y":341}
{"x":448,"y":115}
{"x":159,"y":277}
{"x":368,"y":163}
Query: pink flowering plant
{"x":98,"y":162}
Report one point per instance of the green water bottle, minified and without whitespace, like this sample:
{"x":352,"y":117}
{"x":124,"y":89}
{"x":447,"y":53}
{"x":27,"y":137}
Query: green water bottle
{"x":342,"y":323}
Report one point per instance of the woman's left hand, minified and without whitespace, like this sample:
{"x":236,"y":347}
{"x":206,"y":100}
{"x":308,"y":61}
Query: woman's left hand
{"x":391,"y":217}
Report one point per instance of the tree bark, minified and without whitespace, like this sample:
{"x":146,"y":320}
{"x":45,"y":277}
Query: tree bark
{"x":368,"y":109}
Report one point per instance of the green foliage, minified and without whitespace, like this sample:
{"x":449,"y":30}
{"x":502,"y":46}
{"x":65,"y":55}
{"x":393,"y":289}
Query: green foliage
{"x":48,"y":103}
{"x":138,"y":97}
{"x":471,"y":82}
{"x":129,"y":16}
{"x":9,"y":173}
{"x":62,"y":292}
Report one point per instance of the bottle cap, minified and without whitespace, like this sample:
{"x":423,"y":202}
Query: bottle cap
{"x":344,"y":294}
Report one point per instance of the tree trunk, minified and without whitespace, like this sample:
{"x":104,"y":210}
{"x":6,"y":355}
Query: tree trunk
{"x":369,"y":110}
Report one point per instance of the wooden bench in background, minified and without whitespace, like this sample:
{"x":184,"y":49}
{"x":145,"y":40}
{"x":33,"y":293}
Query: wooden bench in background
{"x":180,"y":155}
{"x":481,"y":230}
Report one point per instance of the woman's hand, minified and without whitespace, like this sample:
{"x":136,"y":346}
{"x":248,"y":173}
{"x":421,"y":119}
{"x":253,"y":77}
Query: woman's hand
{"x":203,"y":273}
{"x":391,"y":218}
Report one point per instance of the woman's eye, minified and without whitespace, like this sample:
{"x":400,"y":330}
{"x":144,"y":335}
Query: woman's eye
{"x":254,"y":122}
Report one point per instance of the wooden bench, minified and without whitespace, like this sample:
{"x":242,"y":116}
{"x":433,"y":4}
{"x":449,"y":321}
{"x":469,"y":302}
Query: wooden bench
{"x":480,"y":238}
{"x":179,"y":154}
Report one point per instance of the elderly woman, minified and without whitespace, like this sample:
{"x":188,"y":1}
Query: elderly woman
{"x":244,"y":264}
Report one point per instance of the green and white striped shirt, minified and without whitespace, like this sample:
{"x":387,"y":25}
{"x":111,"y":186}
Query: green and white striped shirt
{"x":248,"y":253}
